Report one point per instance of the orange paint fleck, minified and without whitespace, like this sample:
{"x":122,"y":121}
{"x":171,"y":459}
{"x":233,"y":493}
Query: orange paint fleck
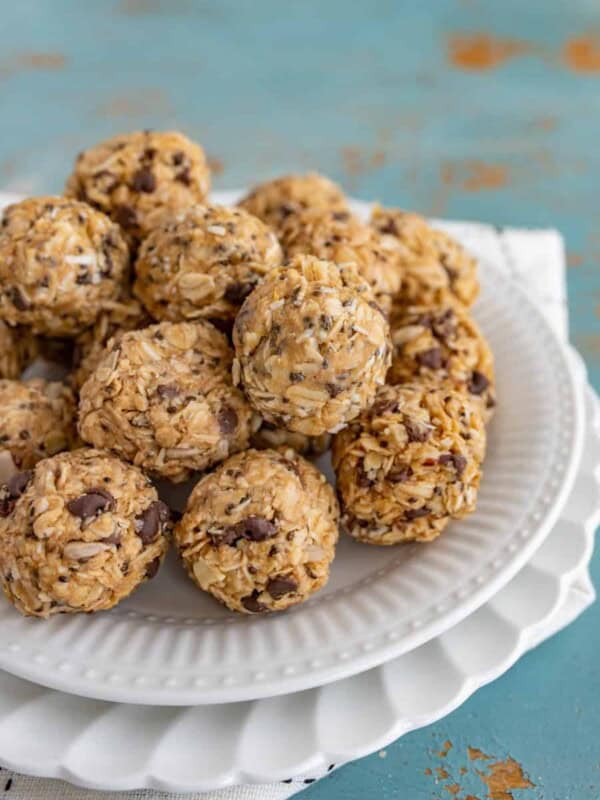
{"x":217,"y":167}
{"x":135,"y":104}
{"x":356,"y":162}
{"x":475,"y":754}
{"x":548,"y":123}
{"x":475,"y":176}
{"x":428,"y":771}
{"x":441,"y":773}
{"x":452,"y":789}
{"x":42,"y":61}
{"x":574,"y":259}
{"x":481,"y":51}
{"x":582,"y":53}
{"x":504,"y":776}
{"x":463,"y":770}
{"x":446,"y":747}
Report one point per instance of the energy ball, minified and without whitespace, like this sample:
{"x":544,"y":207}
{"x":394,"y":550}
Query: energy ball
{"x":443,"y":344}
{"x":163,"y":399}
{"x":18,"y":348}
{"x":259,"y":533}
{"x":437,"y":270}
{"x":60,"y":261}
{"x":137,"y":177}
{"x":409,"y":464}
{"x":37,"y":420}
{"x":312,"y":346}
{"x":273,"y":201}
{"x":126,"y":314}
{"x":79,"y":533}
{"x":340,"y":237}
{"x":203,"y":263}
{"x":270,"y":437}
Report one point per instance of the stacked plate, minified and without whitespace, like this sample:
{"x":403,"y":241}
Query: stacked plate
{"x":397,"y":639}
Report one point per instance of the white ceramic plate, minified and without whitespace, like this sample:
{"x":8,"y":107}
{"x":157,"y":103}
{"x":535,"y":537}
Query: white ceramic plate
{"x":171,"y":644}
{"x":203,"y":748}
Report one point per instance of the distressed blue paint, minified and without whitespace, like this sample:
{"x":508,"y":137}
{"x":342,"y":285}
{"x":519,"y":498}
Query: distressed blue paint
{"x":269,"y":87}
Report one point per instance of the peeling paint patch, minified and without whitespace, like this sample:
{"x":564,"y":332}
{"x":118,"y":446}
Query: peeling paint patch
{"x":476,"y":754}
{"x":582,"y":53}
{"x":504,"y":776}
{"x":25,"y":61}
{"x":475,"y":176}
{"x":135,"y":104}
{"x":481,"y":51}
{"x":216,"y":165}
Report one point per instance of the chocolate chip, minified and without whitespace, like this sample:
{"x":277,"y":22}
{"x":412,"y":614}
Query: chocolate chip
{"x":455,"y":459}
{"x":167,"y":391}
{"x":296,"y":377}
{"x":256,"y":529}
{"x":83,"y":279}
{"x":153,"y":567}
{"x":184,"y":176}
{"x":280,"y":586}
{"x":252,"y":603}
{"x":414,"y":431}
{"x":399,"y":473}
{"x":389,"y":226}
{"x":91,"y":504}
{"x":24,"y":435}
{"x":326,"y":322}
{"x":333,"y":389}
{"x":114,"y":539}
{"x":340,"y":216}
{"x":236,"y":293}
{"x":148,"y":525}
{"x":227,"y":419}
{"x":18,"y":483}
{"x":415,"y":513}
{"x":478,"y":383}
{"x":229,"y":536}
{"x":143,"y":181}
{"x":18,"y":299}
{"x":178,"y":158}
{"x":432,"y":358}
{"x":125,"y":216}
{"x":384,"y":407}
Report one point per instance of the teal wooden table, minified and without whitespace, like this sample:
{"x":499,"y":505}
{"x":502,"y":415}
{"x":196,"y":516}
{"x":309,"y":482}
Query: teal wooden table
{"x":459,"y":108}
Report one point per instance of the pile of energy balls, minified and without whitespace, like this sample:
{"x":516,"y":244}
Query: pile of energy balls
{"x":227,"y":345}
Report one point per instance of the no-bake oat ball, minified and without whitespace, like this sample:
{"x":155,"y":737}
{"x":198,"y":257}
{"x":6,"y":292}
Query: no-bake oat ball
{"x":163,"y":398}
{"x":18,"y":348}
{"x":436,"y":268}
{"x":409,"y":464}
{"x":312,"y":346}
{"x":259,"y":533}
{"x":79,"y":533}
{"x":340,"y":237}
{"x":138,"y":177}
{"x":118,"y":317}
{"x":203,"y":263}
{"x":37,"y":420}
{"x":60,"y":260}
{"x":273,"y":201}
{"x":444,"y":345}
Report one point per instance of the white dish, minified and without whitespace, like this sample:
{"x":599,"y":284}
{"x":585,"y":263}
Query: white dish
{"x":204,"y":748}
{"x":170,"y":644}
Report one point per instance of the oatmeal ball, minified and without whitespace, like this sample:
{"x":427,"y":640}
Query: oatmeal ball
{"x":126,"y":314}
{"x":18,"y":348}
{"x":340,"y":237}
{"x":79,"y":533}
{"x":37,"y":420}
{"x":163,"y":398}
{"x":443,"y":344}
{"x":259,"y":533}
{"x":273,"y":201}
{"x":409,"y":464}
{"x":203,"y":263}
{"x":312,"y":345}
{"x":60,"y":260}
{"x":436,"y":268}
{"x":135,"y":178}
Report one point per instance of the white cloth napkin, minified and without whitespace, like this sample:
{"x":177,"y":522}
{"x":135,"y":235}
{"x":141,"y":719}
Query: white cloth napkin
{"x":536,"y":259}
